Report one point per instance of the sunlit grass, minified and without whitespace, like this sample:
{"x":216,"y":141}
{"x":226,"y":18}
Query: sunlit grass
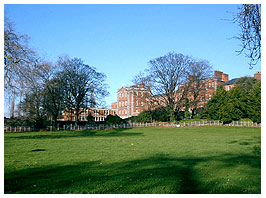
{"x":137,"y":160}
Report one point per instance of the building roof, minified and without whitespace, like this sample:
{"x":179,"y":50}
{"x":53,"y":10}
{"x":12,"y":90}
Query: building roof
{"x":230,"y":82}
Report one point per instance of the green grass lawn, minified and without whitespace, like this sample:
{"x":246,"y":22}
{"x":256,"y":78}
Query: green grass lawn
{"x":138,"y":160}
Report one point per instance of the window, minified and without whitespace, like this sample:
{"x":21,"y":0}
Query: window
{"x":229,"y":87}
{"x":212,"y":84}
{"x":141,"y":94}
{"x":137,"y":111}
{"x":123,"y":103}
{"x":119,"y":104}
{"x":136,"y":103}
{"x":209,"y":84}
{"x":126,"y":103}
{"x":125,"y":111}
{"x":141,"y":103}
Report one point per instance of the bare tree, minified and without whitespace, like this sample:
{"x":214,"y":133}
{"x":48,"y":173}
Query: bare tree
{"x":249,"y":20}
{"x":197,"y":72}
{"x":18,"y":62}
{"x":164,"y":76}
{"x":80,"y":80}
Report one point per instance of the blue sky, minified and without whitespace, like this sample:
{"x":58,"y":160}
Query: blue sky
{"x":119,"y":40}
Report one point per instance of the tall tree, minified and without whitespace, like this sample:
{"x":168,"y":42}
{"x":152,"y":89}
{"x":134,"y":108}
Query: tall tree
{"x":19,"y":60}
{"x":80,"y":81}
{"x":218,"y":100}
{"x":249,"y":20}
{"x":254,"y":103}
{"x":53,"y":98}
{"x":197,"y":72}
{"x":164,"y":75}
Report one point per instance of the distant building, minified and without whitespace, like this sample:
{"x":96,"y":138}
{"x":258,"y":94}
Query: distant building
{"x":257,"y":75}
{"x":230,"y":84}
{"x":99,"y":114}
{"x":207,"y":88}
{"x":131,"y":100}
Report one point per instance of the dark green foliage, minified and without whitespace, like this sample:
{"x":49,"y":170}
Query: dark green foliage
{"x":218,"y":100}
{"x":254,"y":103}
{"x":243,"y":101}
{"x":180,"y":115}
{"x":111,"y":120}
{"x":246,"y":83}
{"x":90,"y":118}
{"x":187,"y":113}
{"x":160,"y":114}
{"x":144,"y":116}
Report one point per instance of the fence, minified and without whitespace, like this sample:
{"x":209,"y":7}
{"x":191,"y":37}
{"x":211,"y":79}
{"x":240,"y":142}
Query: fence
{"x":133,"y":125}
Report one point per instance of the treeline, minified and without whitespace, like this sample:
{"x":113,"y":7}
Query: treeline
{"x":39,"y":90}
{"x":241,"y":102}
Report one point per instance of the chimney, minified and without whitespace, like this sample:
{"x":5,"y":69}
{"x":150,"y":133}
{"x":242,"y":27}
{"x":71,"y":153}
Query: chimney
{"x":257,"y":75}
{"x":141,"y":85}
{"x":225,"y":77}
{"x":218,"y":75}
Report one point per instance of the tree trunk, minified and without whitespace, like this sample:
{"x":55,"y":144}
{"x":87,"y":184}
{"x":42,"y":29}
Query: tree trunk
{"x":12,"y":107}
{"x":76,"y":118}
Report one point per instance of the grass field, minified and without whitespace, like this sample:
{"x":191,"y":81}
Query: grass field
{"x":138,"y":160}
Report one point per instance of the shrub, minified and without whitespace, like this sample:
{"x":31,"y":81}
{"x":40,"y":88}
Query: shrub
{"x":144,"y":116}
{"x":111,"y":120}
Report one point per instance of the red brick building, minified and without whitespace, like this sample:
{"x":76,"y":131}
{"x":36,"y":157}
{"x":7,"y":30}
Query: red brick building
{"x":257,"y":75}
{"x":232,"y":83}
{"x":131,"y":100}
{"x":99,"y":114}
{"x":135,"y":99}
{"x":207,"y":88}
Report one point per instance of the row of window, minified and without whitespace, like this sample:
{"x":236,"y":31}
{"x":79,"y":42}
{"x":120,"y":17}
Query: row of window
{"x":105,"y":112}
{"x":97,"y":119}
{"x":124,"y":104}
{"x":125,"y":94}
{"x":124,"y":112}
{"x":210,"y":84}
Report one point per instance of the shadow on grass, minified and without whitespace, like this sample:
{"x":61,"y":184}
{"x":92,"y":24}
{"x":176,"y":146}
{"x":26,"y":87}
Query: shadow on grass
{"x":246,"y":142}
{"x":158,"y":174}
{"x":73,"y":134}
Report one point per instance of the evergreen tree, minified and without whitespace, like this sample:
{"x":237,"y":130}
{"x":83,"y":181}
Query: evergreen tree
{"x":254,"y":103}
{"x":218,"y":100}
